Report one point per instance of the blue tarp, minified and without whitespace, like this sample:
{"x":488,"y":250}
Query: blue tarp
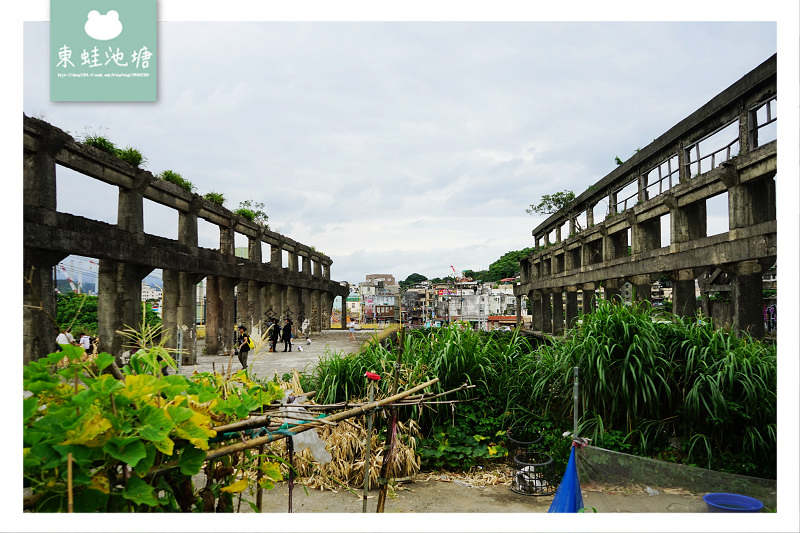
{"x":568,"y":497}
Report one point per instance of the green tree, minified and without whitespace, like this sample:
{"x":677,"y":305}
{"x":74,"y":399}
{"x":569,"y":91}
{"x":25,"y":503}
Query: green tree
{"x":559,"y":202}
{"x":79,"y":311}
{"x":508,"y":265}
{"x":413,"y":279}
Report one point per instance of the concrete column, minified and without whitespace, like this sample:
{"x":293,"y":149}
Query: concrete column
{"x":119,"y":303}
{"x":213,"y":316}
{"x":747,"y":299}
{"x":275,"y":299}
{"x":537,"y":321}
{"x":219,"y":315}
{"x":611,"y":290}
{"x":684,"y":299}
{"x":254,"y":307}
{"x":547,"y":313}
{"x":275,"y":259}
{"x":326,"y":270}
{"x":170,"y":300}
{"x":317,"y":269}
{"x":327,"y":309}
{"x":588,"y":300}
{"x":316,"y":310}
{"x":226,"y":332}
{"x":344,"y":312}
{"x":571,"y":306}
{"x":293,"y":263}
{"x":687,"y":223}
{"x":518,"y":307}
{"x":187,"y":316}
{"x":642,"y":288}
{"x":306,"y":266}
{"x":558,"y":313}
{"x":751,"y":203}
{"x":292,"y":307}
{"x":305,"y":307}
{"x":242,"y":316}
{"x":39,"y":304}
{"x":39,"y":169}
{"x":646,"y":236}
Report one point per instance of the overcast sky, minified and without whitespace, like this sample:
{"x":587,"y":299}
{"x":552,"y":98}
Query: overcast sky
{"x":399,"y":147}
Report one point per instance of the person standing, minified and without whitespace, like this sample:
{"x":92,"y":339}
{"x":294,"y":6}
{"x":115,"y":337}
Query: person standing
{"x":86,"y":342}
{"x":274,"y":334}
{"x":244,"y":346}
{"x":286,"y":334}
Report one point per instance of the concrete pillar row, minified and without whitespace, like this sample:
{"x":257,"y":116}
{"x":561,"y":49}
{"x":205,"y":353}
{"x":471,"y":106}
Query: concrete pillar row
{"x":187,"y":316}
{"x":747,"y":300}
{"x":558,"y":313}
{"x":571,"y":307}
{"x":587,"y":297}
{"x":254,"y":307}
{"x":316,"y":311}
{"x":684,"y":299}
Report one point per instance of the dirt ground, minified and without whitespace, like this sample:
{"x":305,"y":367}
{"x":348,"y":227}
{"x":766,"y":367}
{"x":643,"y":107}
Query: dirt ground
{"x":430,"y":493}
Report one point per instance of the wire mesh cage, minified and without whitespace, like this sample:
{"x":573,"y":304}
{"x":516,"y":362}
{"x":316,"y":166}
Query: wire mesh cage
{"x":522,"y":439}
{"x":534,"y":474}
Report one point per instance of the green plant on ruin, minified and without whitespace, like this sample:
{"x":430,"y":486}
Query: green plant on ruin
{"x":177,"y":179}
{"x":130,"y":155}
{"x":254,"y":212}
{"x":215,"y":197}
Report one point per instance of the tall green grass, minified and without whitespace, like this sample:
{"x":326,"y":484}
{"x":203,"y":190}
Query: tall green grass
{"x":659,"y":381}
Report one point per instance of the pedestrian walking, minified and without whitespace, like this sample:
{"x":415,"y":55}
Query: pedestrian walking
{"x":244,"y":346}
{"x":274,"y":334}
{"x":352,"y":331}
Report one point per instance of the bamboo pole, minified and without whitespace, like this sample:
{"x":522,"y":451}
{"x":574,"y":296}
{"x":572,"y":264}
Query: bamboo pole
{"x":69,"y":483}
{"x":290,"y":448}
{"x":367,"y":453}
{"x":383,"y":482}
{"x":260,"y":493}
{"x":252,"y":443}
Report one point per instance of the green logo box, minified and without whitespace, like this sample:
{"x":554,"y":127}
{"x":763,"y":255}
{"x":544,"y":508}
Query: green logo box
{"x":103,"y":51}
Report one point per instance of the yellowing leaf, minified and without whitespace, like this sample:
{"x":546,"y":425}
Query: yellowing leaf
{"x":239,"y":486}
{"x":90,"y":432}
{"x":140,"y":387}
{"x":165,"y":446}
{"x":100,"y":482}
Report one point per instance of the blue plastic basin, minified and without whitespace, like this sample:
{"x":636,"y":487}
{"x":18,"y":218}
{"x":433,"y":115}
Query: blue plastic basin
{"x":724,"y":502}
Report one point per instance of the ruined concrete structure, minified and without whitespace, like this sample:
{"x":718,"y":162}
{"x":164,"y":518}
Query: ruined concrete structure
{"x":715,"y":151}
{"x":263,"y":287}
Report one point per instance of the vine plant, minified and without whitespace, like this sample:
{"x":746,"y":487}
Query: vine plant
{"x":96,"y":443}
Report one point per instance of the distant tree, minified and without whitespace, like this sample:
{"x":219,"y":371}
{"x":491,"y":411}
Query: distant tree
{"x":80,"y":310}
{"x":560,"y":202}
{"x":508,"y":265}
{"x":413,"y":279}
{"x":476,"y":275}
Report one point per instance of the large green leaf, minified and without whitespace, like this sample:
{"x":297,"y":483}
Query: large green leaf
{"x":129,"y":450}
{"x":191,"y":459}
{"x":139,"y":492}
{"x":156,"y":425}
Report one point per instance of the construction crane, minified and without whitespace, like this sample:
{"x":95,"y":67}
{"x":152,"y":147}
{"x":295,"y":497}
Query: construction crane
{"x":72,"y":284}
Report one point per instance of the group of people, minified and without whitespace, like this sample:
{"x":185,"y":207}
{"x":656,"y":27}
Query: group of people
{"x":274,"y":333}
{"x":64,"y":336}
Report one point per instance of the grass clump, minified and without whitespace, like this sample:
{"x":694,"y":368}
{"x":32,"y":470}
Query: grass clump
{"x":132,"y":156}
{"x":215,"y":197}
{"x":177,"y":179}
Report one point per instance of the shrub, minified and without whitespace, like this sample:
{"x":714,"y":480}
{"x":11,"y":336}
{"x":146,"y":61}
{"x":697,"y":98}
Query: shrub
{"x":177,"y":179}
{"x":131,"y":156}
{"x":214,"y":197}
{"x":101,"y":143}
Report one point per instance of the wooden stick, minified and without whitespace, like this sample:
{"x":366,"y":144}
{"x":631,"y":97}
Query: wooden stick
{"x":388,"y":456}
{"x":69,"y":482}
{"x":290,"y":448}
{"x":367,"y":452}
{"x":260,"y":493}
{"x":254,"y":443}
